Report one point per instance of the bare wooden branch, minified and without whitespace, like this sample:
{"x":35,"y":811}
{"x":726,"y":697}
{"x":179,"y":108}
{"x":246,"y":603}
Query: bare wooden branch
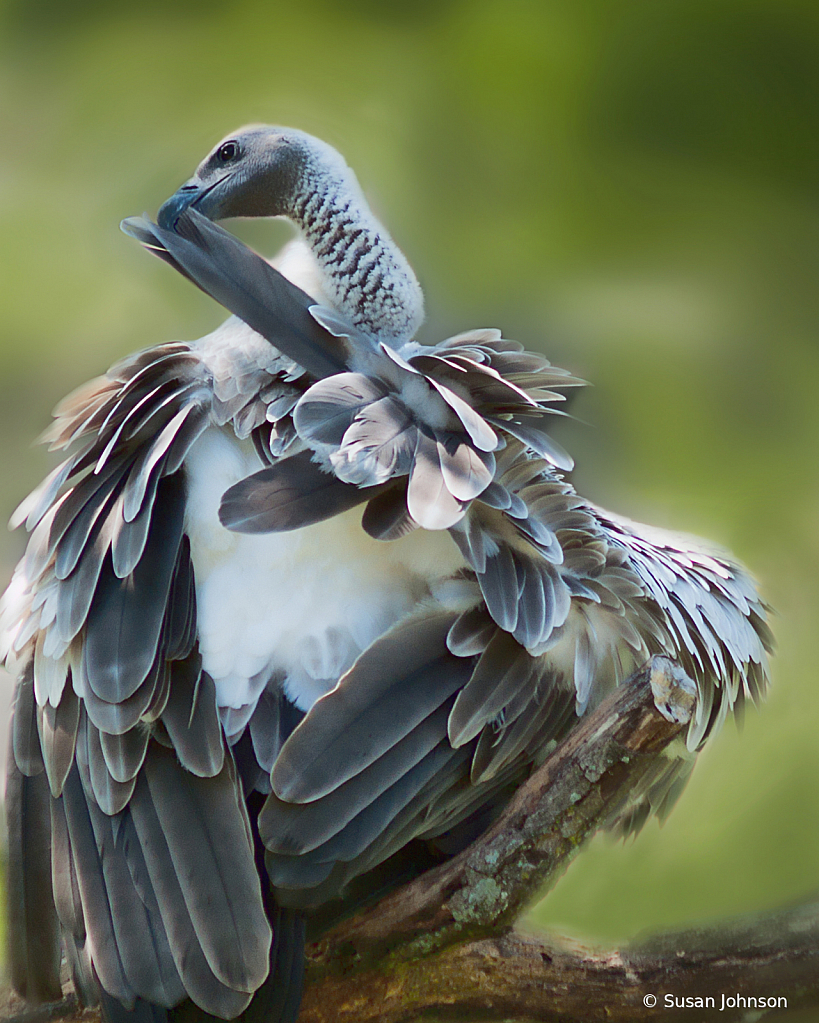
{"x":720,"y":973}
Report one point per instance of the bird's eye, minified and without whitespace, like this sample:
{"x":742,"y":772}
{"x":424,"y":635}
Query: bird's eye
{"x":228,"y":151}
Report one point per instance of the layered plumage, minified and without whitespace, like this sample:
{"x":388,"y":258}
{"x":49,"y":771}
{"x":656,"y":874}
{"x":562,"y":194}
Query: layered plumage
{"x":304,"y":592}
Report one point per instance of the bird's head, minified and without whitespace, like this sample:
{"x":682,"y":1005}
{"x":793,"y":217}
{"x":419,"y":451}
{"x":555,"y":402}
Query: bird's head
{"x":261,"y":171}
{"x":256,"y":171}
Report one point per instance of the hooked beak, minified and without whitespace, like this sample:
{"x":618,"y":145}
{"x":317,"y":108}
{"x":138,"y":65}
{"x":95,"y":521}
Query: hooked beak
{"x":190,"y":194}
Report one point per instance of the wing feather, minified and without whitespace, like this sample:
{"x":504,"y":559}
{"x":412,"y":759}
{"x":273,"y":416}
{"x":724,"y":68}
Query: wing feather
{"x":386,"y":516}
{"x":503,"y":670}
{"x":58,"y":736}
{"x":395,"y":684}
{"x":204,"y":826}
{"x":25,"y":738}
{"x":295,"y":828}
{"x":125,"y":753}
{"x":91,"y":881}
{"x":293,"y":493}
{"x":192,"y":719}
{"x":246,"y":285}
{"x":126,"y":615}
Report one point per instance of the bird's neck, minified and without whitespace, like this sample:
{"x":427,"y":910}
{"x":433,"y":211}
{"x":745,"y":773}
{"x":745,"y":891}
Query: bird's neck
{"x":365,"y":273}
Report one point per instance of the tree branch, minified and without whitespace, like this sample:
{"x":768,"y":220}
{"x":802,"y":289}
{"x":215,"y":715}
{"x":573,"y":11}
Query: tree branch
{"x":523,"y":978}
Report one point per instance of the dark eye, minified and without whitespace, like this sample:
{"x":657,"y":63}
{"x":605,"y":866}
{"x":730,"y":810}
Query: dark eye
{"x":228,"y":151}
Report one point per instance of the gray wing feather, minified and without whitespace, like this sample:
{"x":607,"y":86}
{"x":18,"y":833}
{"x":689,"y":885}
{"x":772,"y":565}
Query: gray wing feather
{"x":327,"y":411}
{"x":166,"y":892}
{"x":300,"y":872}
{"x":87,"y":502}
{"x":149,"y":462}
{"x":141,"y":941}
{"x":38,"y":550}
{"x":584,"y":666}
{"x":266,"y":727}
{"x":482,"y":436}
{"x":395,"y":684}
{"x":366,"y":839}
{"x":180,"y":615}
{"x":67,"y":898}
{"x":293,"y":493}
{"x":245,"y":284}
{"x":536,"y":606}
{"x":471,"y":632}
{"x":467,"y":472}
{"x":499,"y":584}
{"x":497,"y":496}
{"x":529,"y":430}
{"x":32,"y":509}
{"x":93,"y":893}
{"x":125,"y":620}
{"x":25,"y":738}
{"x":122,"y":716}
{"x":377,"y":445}
{"x":124,"y":754}
{"x":58,"y":736}
{"x":386,"y":516}
{"x":296,"y":828}
{"x":657,"y":795}
{"x":77,"y":592}
{"x":503,"y":670}
{"x":528,"y":733}
{"x":192,"y":719}
{"x":129,"y":538}
{"x":204,"y":826}
{"x":109,"y":795}
{"x":373,"y":822}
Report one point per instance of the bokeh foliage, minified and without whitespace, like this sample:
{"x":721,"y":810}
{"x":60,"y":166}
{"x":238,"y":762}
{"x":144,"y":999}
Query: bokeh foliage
{"x":630,"y":186}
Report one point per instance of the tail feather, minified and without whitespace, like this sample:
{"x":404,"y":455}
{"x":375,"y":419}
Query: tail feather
{"x":33,"y":928}
{"x":278,"y":1000}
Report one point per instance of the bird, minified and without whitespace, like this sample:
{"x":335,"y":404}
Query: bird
{"x":302,"y":606}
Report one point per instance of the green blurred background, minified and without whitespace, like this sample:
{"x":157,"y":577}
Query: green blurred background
{"x":627,"y":185}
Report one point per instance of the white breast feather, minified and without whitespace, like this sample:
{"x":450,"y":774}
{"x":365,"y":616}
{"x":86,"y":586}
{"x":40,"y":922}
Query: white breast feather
{"x":303,"y":603}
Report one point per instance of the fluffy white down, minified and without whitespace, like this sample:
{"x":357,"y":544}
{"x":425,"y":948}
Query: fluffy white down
{"x":302,"y":604}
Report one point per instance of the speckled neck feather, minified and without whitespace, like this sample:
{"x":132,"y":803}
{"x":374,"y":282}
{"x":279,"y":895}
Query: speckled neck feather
{"x":366,"y":274}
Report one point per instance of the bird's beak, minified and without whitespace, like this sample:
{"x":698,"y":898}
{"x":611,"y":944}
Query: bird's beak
{"x":192,"y":193}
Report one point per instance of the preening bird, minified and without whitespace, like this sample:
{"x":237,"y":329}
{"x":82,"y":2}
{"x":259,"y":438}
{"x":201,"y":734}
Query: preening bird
{"x":303,"y":605}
